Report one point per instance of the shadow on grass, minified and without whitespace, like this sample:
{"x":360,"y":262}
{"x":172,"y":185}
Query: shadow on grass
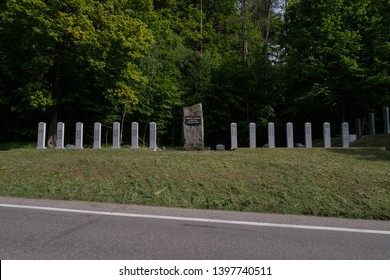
{"x":6,"y":146}
{"x":379,"y":140}
{"x":365,"y":153}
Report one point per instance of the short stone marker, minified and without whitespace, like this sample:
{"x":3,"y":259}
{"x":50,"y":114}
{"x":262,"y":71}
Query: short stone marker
{"x":386,"y":120}
{"x":60,"y":135}
{"x":79,"y":135}
{"x":271,"y":135}
{"x":290,"y":135}
{"x":97,"y":135}
{"x":116,"y":132}
{"x":252,"y":135}
{"x":300,"y":145}
{"x":233,"y":136}
{"x":352,"y":138}
{"x":220,"y":147}
{"x":327,"y":135}
{"x":134,"y":135}
{"x":371,"y":123}
{"x":153,"y":136}
{"x":41,"y":136}
{"x":345,"y":135}
{"x":192,"y":127}
{"x":308,"y":136}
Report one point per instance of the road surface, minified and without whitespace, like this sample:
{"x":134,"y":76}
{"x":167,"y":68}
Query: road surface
{"x":46,"y":229}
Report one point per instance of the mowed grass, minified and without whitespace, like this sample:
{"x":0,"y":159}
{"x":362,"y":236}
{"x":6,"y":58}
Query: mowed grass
{"x":352,"y":183}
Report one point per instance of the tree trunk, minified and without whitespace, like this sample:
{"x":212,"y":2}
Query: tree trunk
{"x":245,"y":54}
{"x":244,"y":34}
{"x":201,"y":25}
{"x":52,"y":136}
{"x":266,"y":34}
{"x":122,"y":125}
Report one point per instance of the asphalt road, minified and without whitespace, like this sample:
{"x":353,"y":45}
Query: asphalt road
{"x":44,"y":229}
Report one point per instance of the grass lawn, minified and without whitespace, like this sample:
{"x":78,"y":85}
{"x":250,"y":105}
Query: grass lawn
{"x":353,"y":183}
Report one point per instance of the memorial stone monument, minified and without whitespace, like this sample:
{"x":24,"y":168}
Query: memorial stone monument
{"x":193,"y":133}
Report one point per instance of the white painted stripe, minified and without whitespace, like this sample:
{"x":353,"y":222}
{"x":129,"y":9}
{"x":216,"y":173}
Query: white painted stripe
{"x":200,"y":220}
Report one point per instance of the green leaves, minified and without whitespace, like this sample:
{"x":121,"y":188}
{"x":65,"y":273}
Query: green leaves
{"x":332,"y":45}
{"x":73,"y":48}
{"x":244,"y":60}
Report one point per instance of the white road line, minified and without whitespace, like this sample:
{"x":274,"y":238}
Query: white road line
{"x":201,"y":220}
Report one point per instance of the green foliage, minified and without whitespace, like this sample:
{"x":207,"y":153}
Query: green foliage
{"x":331,"y":54}
{"x":244,"y":60}
{"x":322,"y":182}
{"x":57,"y":55}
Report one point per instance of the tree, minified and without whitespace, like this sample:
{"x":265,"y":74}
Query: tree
{"x":71,"y":56}
{"x":178,"y":67}
{"x":371,"y":19}
{"x":336,"y":58}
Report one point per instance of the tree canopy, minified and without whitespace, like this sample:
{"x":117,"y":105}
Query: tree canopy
{"x":336,"y":55}
{"x":245,"y":60}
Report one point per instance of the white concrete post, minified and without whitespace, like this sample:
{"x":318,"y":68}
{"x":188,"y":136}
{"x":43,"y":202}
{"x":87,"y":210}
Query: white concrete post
{"x":327,"y":135}
{"x":97,"y":135}
{"x":290,"y":135}
{"x":116,"y":132}
{"x":153,"y":136}
{"x":41,"y":136}
{"x":79,"y":135}
{"x":60,"y":135}
{"x":252,"y":135}
{"x":308,"y":136}
{"x":345,"y":135}
{"x":134,"y":135}
{"x":233,"y":136}
{"x":271,"y":135}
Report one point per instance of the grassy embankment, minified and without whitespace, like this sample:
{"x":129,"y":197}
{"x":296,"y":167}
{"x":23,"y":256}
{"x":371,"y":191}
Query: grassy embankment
{"x":353,"y":183}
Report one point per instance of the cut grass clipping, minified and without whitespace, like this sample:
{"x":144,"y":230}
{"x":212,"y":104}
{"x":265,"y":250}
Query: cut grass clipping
{"x":352,"y":183}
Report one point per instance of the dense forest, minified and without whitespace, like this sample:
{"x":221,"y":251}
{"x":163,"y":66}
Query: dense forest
{"x":143,"y":60}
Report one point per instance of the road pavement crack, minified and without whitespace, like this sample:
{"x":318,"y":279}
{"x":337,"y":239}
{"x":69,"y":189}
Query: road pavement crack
{"x":74,"y":230}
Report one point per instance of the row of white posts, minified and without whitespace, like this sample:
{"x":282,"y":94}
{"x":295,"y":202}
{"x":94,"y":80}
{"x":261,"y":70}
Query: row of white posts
{"x":345,"y":137}
{"x":386,"y":121}
{"x":97,"y":135}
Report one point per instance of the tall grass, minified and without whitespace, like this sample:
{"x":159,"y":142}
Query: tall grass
{"x":353,"y":183}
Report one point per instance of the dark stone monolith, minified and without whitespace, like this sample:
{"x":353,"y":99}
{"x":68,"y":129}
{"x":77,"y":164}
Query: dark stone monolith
{"x":193,"y":133}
